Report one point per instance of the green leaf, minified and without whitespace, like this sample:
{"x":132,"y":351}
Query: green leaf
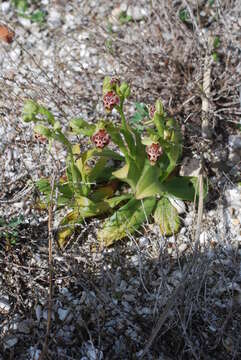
{"x":114,"y":133}
{"x":21,"y":5}
{"x":184,"y":15}
{"x":38,"y":16}
{"x":109,"y":154}
{"x":104,"y":192}
{"x":115,"y":201}
{"x":68,"y":223}
{"x":126,"y":220}
{"x":30,"y":110}
{"x":80,"y":126}
{"x":84,"y":208}
{"x":184,"y":188}
{"x":48,"y":116}
{"x":124,"y":18}
{"x":149,"y":182}
{"x":43,"y":130}
{"x":166,"y":216}
{"x":44,"y":186}
{"x":172,"y":145}
{"x":106,"y":85}
{"x":216,"y":42}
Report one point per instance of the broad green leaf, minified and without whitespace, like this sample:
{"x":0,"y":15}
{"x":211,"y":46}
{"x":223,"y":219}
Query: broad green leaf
{"x":115,"y":201}
{"x":130,"y":141}
{"x":44,"y":186}
{"x":80,"y":126}
{"x":173,"y":145}
{"x":166,"y":216}
{"x":159,"y":123}
{"x":104,"y":192}
{"x":66,"y":190}
{"x":149,"y":182}
{"x":84,"y":208}
{"x":96,"y":172}
{"x":68,"y":226}
{"x":129,"y":173}
{"x":184,"y":188}
{"x":126,"y":220}
{"x":114,"y":133}
{"x":109,"y":154}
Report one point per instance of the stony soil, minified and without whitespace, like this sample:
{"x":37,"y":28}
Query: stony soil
{"x":107,"y":303}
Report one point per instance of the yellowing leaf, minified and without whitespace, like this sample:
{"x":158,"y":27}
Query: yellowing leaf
{"x":166,"y":216}
{"x":126,"y":220}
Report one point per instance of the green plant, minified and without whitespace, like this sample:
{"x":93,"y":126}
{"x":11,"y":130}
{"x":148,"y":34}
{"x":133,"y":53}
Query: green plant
{"x":216,"y":46}
{"x":124,"y":18}
{"x":141,"y":113}
{"x":10,"y":229}
{"x":137,"y":185}
{"x":23,"y":9}
{"x":184,"y":15}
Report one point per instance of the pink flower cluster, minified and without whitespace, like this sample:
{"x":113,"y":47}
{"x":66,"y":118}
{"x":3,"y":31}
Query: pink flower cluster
{"x":110,"y":100}
{"x":154,"y":151}
{"x":101,"y":138}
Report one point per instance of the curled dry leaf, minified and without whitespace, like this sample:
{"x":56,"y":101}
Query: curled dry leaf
{"x":6,"y":34}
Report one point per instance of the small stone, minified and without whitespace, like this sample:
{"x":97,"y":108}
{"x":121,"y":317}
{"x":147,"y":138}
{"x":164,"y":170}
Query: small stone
{"x":6,"y":6}
{"x":190,"y":167}
{"x":38,"y":312}
{"x":203,"y":238}
{"x":23,"y":327}
{"x":136,"y":12}
{"x":233,"y":197}
{"x":178,"y":205}
{"x":54,"y":18}
{"x":63,"y":313}
{"x":10,"y":342}
{"x":143,"y":241}
{"x":182,"y":247}
{"x":25,"y":22}
{"x":188,"y":220}
{"x":135,"y":260}
{"x":115,"y":15}
{"x":234,"y":142}
{"x":34,"y":353}
{"x":4,"y":305}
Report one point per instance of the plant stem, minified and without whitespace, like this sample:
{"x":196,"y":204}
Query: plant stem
{"x":123,"y":119}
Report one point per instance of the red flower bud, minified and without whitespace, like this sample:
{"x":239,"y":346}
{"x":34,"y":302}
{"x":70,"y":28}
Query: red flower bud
{"x":154,"y":151}
{"x":101,"y":139}
{"x":152,"y":110}
{"x":110,"y":100}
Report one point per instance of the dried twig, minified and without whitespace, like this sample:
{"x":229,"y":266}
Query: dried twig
{"x":50,"y":230}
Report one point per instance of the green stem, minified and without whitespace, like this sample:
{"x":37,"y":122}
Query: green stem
{"x":123,"y":119}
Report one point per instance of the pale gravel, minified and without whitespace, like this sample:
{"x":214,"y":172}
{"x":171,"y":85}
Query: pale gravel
{"x":106,"y":303}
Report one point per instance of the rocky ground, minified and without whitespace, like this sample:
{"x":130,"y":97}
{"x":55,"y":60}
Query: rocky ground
{"x":109,"y":304}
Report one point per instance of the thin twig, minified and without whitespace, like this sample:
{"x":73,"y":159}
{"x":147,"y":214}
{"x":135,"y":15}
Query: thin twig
{"x":50,"y":230}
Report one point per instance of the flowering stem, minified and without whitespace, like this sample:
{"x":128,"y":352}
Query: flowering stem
{"x":123,"y":119}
